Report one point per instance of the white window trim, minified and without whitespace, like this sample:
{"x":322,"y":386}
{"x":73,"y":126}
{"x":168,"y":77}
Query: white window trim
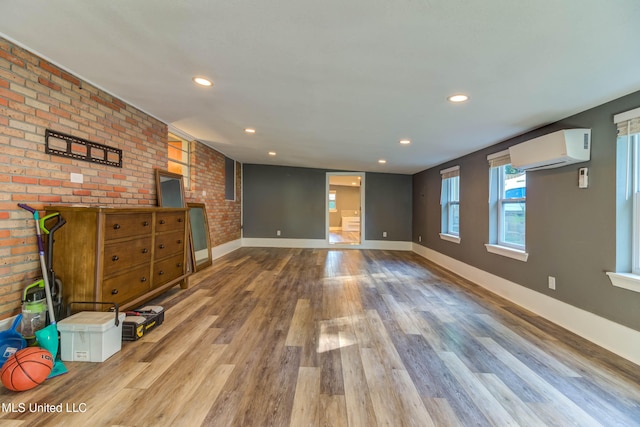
{"x":501,"y":202}
{"x":630,"y":281}
{"x":450,"y":237}
{"x":445,"y":208}
{"x":507,"y":252}
{"x":497,"y":160}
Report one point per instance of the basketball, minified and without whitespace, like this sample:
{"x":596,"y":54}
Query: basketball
{"x":26,"y":369}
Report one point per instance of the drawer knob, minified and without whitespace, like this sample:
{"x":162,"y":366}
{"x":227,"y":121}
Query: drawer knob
{"x":114,"y":292}
{"x":115,"y":258}
{"x":116,"y":226}
{"x":145,"y":250}
{"x":143,"y":279}
{"x":160,"y":273}
{"x":161,"y":246}
{"x":179,"y":264}
{"x":146,"y":223}
{"x":162,"y":221}
{"x":179,"y":241}
{"x":179,"y":219}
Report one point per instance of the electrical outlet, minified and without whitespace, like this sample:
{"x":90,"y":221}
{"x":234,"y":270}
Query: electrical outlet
{"x":419,"y":238}
{"x":78,"y":178}
{"x":552,"y":283}
{"x":277,"y":232}
{"x":384,"y":234}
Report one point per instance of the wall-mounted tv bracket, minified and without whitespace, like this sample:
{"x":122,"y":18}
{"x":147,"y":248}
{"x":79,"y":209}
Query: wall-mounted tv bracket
{"x":64,"y":145}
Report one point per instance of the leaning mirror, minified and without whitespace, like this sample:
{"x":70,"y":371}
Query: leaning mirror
{"x":200,"y":235}
{"x":170,"y":189}
{"x":170,"y":193}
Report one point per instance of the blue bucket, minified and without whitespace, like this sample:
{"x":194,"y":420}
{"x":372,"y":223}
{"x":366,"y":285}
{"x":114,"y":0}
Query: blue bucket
{"x":11,"y":341}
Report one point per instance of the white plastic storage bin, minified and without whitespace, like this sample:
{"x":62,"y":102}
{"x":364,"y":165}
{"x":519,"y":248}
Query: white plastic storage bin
{"x":90,"y":336}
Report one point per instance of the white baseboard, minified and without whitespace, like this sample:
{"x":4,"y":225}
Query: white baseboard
{"x":323,"y":244}
{"x":225,"y":248}
{"x":617,"y":338}
{"x":282,"y":243}
{"x":387,"y":245}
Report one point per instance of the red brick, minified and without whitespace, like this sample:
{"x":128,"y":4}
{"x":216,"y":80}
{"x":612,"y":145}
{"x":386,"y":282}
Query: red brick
{"x":68,"y":77}
{"x":24,"y":180}
{"x":6,"y":93}
{"x":50,"y":68}
{"x":48,"y":84}
{"x":50,"y":182}
{"x":11,"y":58}
{"x":49,"y":199}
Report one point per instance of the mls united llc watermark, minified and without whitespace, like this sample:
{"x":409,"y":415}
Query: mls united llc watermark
{"x":43,"y":407}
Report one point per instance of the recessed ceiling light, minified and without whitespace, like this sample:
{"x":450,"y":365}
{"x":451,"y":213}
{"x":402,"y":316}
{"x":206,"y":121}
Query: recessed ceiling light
{"x":202,"y":81}
{"x":382,"y":161}
{"x":272,"y":153}
{"x":354,"y":183}
{"x":405,"y":141}
{"x":250,"y":130}
{"x":458,"y":98}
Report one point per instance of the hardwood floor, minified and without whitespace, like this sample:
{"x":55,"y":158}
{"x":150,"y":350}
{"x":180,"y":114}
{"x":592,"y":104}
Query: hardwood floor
{"x":303,"y":337}
{"x":344,"y":237}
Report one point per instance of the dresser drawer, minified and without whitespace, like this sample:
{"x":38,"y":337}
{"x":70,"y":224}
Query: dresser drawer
{"x":123,"y":255}
{"x":167,"y":270}
{"x":169,"y":244}
{"x":127,"y":225}
{"x":169,"y":221}
{"x":126,"y":286}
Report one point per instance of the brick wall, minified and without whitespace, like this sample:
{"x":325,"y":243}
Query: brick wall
{"x":36,"y":95}
{"x":207,"y":186}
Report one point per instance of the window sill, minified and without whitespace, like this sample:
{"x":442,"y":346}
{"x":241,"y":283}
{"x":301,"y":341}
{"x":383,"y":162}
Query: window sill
{"x":507,"y":252}
{"x":450,"y":238}
{"x":625,"y":280}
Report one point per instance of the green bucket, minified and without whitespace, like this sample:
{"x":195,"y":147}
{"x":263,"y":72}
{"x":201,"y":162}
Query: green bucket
{"x":34,"y":311}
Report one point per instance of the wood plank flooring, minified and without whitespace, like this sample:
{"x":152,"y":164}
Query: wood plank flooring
{"x":303,"y":337}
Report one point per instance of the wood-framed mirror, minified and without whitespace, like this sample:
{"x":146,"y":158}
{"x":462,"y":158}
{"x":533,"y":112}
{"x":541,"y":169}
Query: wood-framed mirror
{"x":201,"y":243}
{"x":170,"y":189}
{"x":170,"y":194}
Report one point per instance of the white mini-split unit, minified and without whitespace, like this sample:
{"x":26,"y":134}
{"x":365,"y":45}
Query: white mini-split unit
{"x":553,"y":150}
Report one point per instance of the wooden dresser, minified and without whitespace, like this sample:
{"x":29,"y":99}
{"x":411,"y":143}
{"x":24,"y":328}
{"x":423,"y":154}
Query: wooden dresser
{"x":120,"y":255}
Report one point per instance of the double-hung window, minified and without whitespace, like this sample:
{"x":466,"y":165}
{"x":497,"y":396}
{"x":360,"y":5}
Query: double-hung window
{"x":627,"y":273}
{"x":507,"y":207}
{"x":512,"y":206}
{"x":450,"y":204}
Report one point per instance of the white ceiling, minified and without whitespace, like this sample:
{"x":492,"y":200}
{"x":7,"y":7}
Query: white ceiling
{"x":336,"y":84}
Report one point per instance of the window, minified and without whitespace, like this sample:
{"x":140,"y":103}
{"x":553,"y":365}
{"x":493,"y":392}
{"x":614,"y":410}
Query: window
{"x":627,"y":273}
{"x":450,"y":204}
{"x":179,"y":158}
{"x":507,"y":207}
{"x":511,"y":207}
{"x":332,"y":201}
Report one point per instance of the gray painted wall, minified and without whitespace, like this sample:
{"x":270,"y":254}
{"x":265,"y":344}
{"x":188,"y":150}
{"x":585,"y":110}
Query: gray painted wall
{"x":571,"y":232}
{"x":288,"y":199}
{"x":293,"y":200}
{"x":388,"y":206}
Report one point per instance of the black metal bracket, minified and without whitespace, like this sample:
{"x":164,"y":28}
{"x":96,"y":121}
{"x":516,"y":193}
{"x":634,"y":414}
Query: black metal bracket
{"x":61,"y":144}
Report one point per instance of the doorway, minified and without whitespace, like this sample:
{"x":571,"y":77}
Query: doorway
{"x":345,"y":200}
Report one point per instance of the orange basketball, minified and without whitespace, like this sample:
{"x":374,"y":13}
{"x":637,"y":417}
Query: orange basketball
{"x":26,"y":369}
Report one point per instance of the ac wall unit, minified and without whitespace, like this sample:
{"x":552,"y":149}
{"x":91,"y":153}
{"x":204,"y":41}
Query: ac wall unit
{"x":553,"y":150}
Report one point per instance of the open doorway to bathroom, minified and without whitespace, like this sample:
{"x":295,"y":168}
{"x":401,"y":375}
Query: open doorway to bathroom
{"x":344,"y":208}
